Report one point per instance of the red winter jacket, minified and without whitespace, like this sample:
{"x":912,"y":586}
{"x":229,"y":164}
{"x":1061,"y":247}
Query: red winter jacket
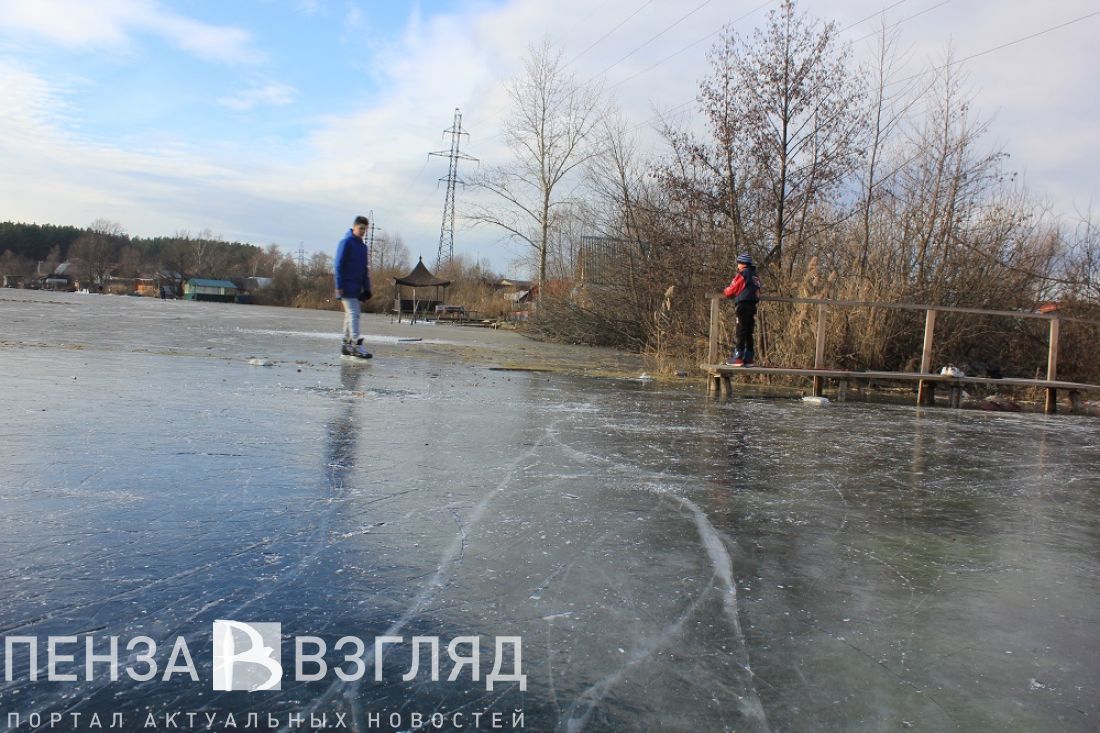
{"x":745,"y":286}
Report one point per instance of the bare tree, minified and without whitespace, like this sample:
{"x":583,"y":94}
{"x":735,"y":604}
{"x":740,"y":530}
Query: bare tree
{"x":785,"y":113}
{"x":53,"y":259}
{"x":548,"y":131}
{"x":209,"y":254}
{"x":262,"y":263}
{"x":1082,"y":265}
{"x":389,"y":256}
{"x":131,"y":262}
{"x":99,"y":248}
{"x":889,"y":109}
{"x":12,"y":264}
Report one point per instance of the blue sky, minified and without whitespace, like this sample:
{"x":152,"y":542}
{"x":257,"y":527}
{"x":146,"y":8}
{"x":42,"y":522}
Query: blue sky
{"x":279,"y":120}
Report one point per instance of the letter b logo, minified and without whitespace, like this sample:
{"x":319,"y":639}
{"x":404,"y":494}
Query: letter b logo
{"x":247,"y":656}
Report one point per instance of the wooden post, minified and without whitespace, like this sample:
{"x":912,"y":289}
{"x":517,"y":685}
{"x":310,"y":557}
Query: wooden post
{"x":1075,"y":405}
{"x":926,"y":391}
{"x":1051,"y":406}
{"x":819,"y":353}
{"x":715,"y":327}
{"x":1052,"y":350}
{"x":727,"y":386}
{"x":956,"y":395}
{"x":842,"y":391}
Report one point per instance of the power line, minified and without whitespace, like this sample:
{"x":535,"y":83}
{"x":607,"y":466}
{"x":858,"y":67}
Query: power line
{"x":667,"y":58}
{"x":680,"y":20}
{"x":928,"y":71}
{"x":592,"y":45}
{"x":1000,"y":47}
{"x":875,"y":14}
{"x":757,"y":9}
{"x":592,"y":11}
{"x":690,"y":46}
{"x":640,"y":8}
{"x":929,"y":9}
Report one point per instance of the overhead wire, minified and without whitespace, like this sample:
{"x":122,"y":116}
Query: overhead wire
{"x":690,"y":46}
{"x":918,"y":75}
{"x":1002,"y":46}
{"x":875,"y":14}
{"x":680,"y":20}
{"x":739,"y":19}
{"x":686,"y":103}
{"x":903,"y":20}
{"x":599,"y":40}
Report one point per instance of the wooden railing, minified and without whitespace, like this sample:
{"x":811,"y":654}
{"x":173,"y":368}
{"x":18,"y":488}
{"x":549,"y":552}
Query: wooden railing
{"x":926,"y":386}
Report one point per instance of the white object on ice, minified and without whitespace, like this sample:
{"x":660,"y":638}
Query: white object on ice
{"x":643,"y":377}
{"x":952,"y":371}
{"x":261,"y":362}
{"x":816,"y":400}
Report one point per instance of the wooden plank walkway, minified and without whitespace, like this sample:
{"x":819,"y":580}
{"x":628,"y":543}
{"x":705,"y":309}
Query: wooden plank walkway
{"x":721,"y":375}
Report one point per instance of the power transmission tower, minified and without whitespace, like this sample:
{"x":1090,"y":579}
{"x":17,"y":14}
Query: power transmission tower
{"x":368,"y":238}
{"x":301,"y":256}
{"x":447,"y":230}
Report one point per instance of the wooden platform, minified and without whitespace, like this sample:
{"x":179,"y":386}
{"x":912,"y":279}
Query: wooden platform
{"x":722,"y":375}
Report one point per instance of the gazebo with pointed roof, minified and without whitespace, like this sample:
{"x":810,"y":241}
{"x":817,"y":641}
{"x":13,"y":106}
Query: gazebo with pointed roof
{"x":419,"y":277}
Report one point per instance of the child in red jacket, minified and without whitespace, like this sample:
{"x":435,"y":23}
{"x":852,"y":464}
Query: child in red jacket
{"x":745,"y":290}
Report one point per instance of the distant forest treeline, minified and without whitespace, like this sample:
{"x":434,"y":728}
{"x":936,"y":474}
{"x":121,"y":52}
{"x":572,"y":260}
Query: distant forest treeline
{"x":104,"y":250}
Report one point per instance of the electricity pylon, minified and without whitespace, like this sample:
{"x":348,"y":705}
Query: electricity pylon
{"x":447,"y":230}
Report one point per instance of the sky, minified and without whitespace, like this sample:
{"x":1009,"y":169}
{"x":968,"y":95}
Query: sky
{"x":278,"y":121}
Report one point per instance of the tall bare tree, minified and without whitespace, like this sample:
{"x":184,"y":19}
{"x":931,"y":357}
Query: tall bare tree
{"x":784,"y":110}
{"x":548,"y":132}
{"x":388,"y":257}
{"x":98,"y":249}
{"x":891,"y":103}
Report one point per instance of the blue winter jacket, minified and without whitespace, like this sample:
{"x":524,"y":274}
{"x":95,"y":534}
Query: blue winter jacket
{"x":351,"y":266}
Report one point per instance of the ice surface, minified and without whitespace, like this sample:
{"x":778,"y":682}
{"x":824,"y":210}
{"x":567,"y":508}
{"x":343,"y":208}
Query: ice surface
{"x":671,"y":564}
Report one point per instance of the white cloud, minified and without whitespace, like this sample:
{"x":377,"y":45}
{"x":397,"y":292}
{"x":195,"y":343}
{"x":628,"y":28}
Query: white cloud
{"x":112,"y":23}
{"x":353,"y":17}
{"x":274,"y":94}
{"x":1042,"y":94}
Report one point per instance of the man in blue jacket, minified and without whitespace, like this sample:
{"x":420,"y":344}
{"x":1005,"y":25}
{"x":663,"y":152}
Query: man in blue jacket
{"x":352,"y":270}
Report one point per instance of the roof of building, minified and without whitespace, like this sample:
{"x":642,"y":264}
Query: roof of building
{"x":204,"y":283}
{"x":420,"y":277}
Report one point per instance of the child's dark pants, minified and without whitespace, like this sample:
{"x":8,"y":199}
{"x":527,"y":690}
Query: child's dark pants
{"x":746,"y":322}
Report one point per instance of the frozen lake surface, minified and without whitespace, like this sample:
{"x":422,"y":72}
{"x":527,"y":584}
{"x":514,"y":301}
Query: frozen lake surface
{"x":668,"y":563}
